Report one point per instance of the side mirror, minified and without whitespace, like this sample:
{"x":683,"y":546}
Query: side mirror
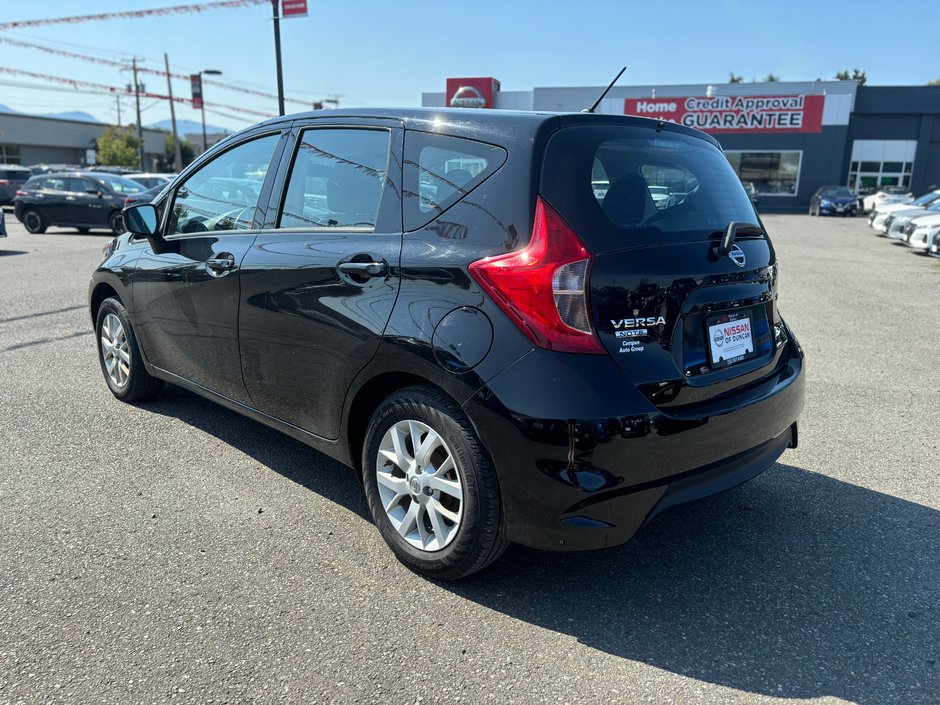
{"x":141,"y":219}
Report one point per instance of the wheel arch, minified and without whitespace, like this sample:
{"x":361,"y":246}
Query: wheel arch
{"x":102,"y":291}
{"x":366,"y":401}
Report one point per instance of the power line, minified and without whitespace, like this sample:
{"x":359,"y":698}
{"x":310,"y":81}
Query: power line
{"x":142,"y":69}
{"x":114,"y":90}
{"x":129,"y":14}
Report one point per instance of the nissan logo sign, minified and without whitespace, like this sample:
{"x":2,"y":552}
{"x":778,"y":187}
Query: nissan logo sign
{"x":467,"y":97}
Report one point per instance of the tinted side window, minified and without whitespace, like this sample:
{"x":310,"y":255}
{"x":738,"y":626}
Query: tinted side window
{"x":336,"y":179}
{"x":55,"y":183}
{"x":440,"y":170}
{"x":82,"y":185}
{"x":223,"y":194}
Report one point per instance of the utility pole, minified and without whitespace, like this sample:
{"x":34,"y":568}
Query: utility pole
{"x":140,"y":129}
{"x":117,"y":100}
{"x":177,"y":152}
{"x":275,"y":6}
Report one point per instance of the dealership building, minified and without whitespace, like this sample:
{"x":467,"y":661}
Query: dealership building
{"x":33,"y":139}
{"x":787,"y":138}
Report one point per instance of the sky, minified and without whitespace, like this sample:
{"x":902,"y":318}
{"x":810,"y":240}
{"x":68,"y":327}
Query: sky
{"x":367,"y":53}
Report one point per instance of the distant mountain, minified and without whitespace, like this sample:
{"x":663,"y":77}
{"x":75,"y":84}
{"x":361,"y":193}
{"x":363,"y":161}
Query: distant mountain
{"x":187,"y":127}
{"x":79,"y":115}
{"x":68,"y":115}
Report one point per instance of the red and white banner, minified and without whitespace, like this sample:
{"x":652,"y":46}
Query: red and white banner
{"x":738,"y":114}
{"x":294,"y":8}
{"x":471,"y":92}
{"x":195,"y":81}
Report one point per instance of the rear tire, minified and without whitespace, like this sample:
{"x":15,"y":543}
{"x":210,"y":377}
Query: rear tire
{"x":33,"y":222}
{"x":119,"y":355}
{"x":431,"y":486}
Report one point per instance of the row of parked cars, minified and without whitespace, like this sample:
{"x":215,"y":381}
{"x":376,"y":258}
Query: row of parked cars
{"x":82,"y":199}
{"x":914,"y":222}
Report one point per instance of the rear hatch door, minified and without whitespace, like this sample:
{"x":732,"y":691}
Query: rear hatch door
{"x":685,"y":322}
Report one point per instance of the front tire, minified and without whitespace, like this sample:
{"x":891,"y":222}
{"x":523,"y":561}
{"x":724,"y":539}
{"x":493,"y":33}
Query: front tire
{"x":119,"y":355}
{"x":431,"y":486}
{"x":33,"y":222}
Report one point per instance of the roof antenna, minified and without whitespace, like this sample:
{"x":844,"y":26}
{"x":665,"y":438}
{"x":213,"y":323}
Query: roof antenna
{"x":606,"y":91}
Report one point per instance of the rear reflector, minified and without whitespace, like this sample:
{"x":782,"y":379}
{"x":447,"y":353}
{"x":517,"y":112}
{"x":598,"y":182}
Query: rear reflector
{"x":543,"y":286}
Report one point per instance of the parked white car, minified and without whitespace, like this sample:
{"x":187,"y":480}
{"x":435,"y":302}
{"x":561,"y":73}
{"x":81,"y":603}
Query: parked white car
{"x":876,"y":217}
{"x":919,"y":233}
{"x":934,"y":249}
{"x":896,"y":221}
{"x":887,"y":194}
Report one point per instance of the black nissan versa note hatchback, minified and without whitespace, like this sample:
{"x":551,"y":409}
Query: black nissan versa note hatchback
{"x":443,"y":300}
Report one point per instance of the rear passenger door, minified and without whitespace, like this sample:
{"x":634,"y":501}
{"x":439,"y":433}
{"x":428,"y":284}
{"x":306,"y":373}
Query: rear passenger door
{"x":51,"y":199}
{"x":320,"y":281}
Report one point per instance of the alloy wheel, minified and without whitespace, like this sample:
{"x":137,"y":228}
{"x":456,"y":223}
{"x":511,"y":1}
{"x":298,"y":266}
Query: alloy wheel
{"x":114,"y":350}
{"x":419,"y":485}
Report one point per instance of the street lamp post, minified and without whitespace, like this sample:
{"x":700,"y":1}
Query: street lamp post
{"x":206,"y":72}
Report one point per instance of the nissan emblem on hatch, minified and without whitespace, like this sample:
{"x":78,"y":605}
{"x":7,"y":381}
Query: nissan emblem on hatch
{"x":736,"y":255}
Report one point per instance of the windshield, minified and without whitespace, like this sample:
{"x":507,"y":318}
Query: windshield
{"x":895,"y":190}
{"x":836,"y":192}
{"x":658,"y":186}
{"x":926,"y":199}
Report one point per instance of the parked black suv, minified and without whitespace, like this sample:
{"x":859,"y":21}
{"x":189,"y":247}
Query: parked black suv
{"x":443,"y":300}
{"x":12,"y":177}
{"x":83,"y":200}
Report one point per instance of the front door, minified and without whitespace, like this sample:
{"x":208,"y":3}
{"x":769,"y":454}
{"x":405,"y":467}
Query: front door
{"x":318,"y":286}
{"x":186,"y":298}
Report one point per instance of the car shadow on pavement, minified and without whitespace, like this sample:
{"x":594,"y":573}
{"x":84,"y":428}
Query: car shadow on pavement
{"x":273,"y":449}
{"x":795,"y":585}
{"x":8,"y":253}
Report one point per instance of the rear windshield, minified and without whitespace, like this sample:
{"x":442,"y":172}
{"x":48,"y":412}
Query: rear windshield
{"x":620,"y":186}
{"x":14,"y":174}
{"x":895,"y":190}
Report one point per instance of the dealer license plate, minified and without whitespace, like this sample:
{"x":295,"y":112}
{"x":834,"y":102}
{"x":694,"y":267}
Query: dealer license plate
{"x":730,"y":338}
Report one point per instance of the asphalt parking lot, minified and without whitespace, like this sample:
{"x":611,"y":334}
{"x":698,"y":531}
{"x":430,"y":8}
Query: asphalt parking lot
{"x":175,"y":551}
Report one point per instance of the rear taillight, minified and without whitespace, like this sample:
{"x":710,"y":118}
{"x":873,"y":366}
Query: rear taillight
{"x":22,"y":193}
{"x":543,"y":287}
{"x":4,"y":182}
{"x":127,"y":201}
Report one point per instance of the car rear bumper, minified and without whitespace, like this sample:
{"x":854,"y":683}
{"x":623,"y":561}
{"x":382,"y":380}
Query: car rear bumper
{"x":584,"y":460}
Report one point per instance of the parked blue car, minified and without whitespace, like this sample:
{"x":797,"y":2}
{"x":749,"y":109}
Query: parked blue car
{"x":833,"y":200}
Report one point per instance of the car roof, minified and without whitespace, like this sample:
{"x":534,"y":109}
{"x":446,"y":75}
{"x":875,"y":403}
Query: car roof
{"x":464,"y":121}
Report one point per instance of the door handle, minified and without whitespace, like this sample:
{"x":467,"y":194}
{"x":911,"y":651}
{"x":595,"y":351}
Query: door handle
{"x":221,"y":264}
{"x":363,"y":269}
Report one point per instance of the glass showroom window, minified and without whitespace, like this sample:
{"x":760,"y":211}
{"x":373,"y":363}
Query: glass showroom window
{"x":9,"y":154}
{"x":773,"y":173}
{"x":867,"y":177}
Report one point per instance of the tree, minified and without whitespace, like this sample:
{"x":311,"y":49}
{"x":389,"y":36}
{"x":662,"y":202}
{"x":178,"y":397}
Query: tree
{"x":856,"y":75}
{"x":118,"y":147}
{"x":735,"y":79}
{"x":935,"y":82}
{"x":771,"y":78}
{"x":166,"y":162}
